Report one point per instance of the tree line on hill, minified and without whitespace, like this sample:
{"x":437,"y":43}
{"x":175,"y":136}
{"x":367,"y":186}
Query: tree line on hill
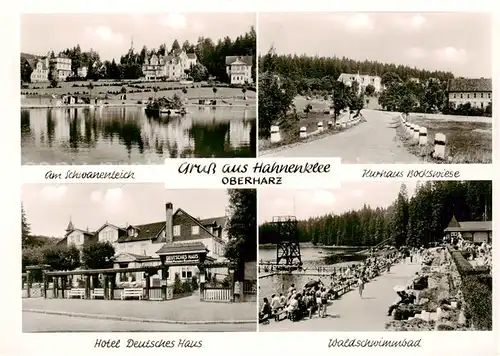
{"x":277,"y":92}
{"x":211,"y":59}
{"x":406,"y":89}
{"x":241,"y":229}
{"x":316,"y":73}
{"x":411,"y":221}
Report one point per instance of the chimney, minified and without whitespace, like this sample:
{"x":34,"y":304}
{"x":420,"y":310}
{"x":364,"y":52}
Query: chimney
{"x":169,"y":228}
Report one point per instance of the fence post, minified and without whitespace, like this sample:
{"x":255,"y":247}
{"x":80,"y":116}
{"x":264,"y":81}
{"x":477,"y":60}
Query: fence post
{"x":320,"y":126}
{"x":416,"y":132}
{"x":303,"y":132}
{"x":28,"y":283}
{"x":275,"y":134}
{"x":439,"y":146}
{"x":422,"y":139}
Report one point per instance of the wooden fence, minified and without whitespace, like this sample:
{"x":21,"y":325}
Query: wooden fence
{"x":217,"y":295}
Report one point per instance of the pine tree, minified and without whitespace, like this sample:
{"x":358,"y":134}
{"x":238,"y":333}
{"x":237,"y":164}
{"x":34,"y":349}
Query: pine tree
{"x":25,"y":228}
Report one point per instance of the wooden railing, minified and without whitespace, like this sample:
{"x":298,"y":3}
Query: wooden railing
{"x":217,"y":295}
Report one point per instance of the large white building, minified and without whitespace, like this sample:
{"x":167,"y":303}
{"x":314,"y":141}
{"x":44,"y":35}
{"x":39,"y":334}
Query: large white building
{"x":40,"y":71}
{"x":171,"y":67}
{"x":62,"y":66}
{"x":138,"y":245}
{"x":362,"y":80}
{"x":239,"y":69}
{"x":477,"y":92}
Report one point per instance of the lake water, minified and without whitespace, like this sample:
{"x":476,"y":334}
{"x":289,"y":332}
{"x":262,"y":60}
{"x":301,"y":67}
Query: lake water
{"x":128,"y":136}
{"x":312,"y":258}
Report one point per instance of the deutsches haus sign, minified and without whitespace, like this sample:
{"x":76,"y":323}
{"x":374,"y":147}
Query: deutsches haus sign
{"x":183,"y":258}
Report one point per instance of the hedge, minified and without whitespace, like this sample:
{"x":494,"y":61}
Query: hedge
{"x":477,"y":290}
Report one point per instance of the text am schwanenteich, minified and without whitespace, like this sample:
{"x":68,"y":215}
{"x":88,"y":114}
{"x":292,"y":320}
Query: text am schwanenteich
{"x":74,"y":174}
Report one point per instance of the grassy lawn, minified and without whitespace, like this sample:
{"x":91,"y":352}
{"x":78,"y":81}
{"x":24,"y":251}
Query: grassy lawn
{"x":136,"y":92}
{"x":467,"y":141}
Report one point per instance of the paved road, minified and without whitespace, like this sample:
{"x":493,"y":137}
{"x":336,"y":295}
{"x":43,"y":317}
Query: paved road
{"x":371,"y":142}
{"x":35,"y":322}
{"x":182,"y":309}
{"x":351,"y":313}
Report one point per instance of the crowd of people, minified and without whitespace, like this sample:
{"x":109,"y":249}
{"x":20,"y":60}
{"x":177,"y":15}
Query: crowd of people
{"x":478,"y":255}
{"x":297,"y":303}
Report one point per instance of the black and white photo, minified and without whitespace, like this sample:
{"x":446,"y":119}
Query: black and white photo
{"x":376,"y":87}
{"x":377,"y":256}
{"x":137,"y":257}
{"x":137,"y":88}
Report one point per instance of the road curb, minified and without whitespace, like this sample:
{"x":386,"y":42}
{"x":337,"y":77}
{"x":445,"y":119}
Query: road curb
{"x":141,"y":320}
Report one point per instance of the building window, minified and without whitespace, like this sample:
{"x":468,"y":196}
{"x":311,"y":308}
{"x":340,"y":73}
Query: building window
{"x":474,"y":95}
{"x":461,"y":96}
{"x":183,"y":274}
{"x":468,"y":96}
{"x":177,"y":230}
{"x":189,"y":274}
{"x":195,"y":230}
{"x":454,"y":96}
{"x":489,"y":95}
{"x":481,"y":95}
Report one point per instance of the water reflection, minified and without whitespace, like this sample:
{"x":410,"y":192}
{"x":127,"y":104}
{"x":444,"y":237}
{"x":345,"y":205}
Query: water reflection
{"x":127,"y":136}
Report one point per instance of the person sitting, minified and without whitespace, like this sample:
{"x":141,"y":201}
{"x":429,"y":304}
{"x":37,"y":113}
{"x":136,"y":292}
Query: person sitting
{"x":405,"y":298}
{"x":265,"y":313}
{"x":292,"y":306}
{"x":275,"y":304}
{"x":282,"y":300}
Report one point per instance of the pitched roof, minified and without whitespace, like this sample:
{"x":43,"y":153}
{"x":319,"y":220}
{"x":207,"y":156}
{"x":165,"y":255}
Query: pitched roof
{"x":347,"y":76}
{"x":108,"y":224}
{"x":176,"y":248}
{"x":218,"y":221}
{"x":248,"y":60}
{"x":198,"y":222}
{"x":144,"y":232}
{"x":471,"y":226}
{"x":453,"y":222}
{"x":470,"y":85}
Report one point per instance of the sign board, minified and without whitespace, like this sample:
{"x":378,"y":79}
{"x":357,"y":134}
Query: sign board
{"x":182,"y":258}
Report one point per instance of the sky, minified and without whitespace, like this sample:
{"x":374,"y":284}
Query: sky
{"x":49,"y":207}
{"x":456,"y":42}
{"x":111,"y":34}
{"x":310,"y":203}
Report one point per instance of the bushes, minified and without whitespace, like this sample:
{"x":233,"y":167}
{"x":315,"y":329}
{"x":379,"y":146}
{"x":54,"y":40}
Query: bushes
{"x":463,"y":266}
{"x":188,"y":286}
{"x":478,"y":299}
{"x":477,"y":290}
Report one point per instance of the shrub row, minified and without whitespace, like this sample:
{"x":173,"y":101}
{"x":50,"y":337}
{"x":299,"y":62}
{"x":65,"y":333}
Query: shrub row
{"x":477,"y":290}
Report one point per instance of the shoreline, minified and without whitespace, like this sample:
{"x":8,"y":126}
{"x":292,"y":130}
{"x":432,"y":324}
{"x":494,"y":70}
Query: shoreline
{"x":90,"y":106}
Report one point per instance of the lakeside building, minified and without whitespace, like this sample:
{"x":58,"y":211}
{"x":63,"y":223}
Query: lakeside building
{"x":474,"y":231}
{"x":40,"y":73}
{"x":180,"y":236}
{"x":362,"y":80}
{"x":239,"y":69}
{"x":169,"y":67}
{"x":62,"y":66}
{"x":477,"y":92}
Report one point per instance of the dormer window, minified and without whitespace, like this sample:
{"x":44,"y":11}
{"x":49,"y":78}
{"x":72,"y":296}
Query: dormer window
{"x":177,"y":230}
{"x":131,"y":232}
{"x":195,"y":230}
